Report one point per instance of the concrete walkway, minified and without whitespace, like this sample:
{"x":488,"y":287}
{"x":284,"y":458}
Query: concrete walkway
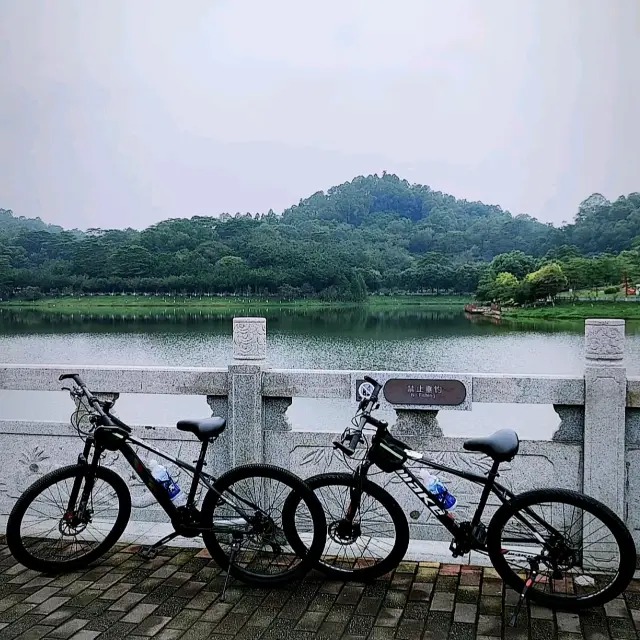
{"x":176,"y":595}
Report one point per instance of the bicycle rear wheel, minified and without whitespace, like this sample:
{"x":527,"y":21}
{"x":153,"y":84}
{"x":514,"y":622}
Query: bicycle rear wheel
{"x":585,"y":555}
{"x":45,"y":533}
{"x":262,"y":554}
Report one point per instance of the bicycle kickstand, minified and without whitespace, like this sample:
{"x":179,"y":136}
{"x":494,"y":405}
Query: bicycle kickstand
{"x":527,"y":585}
{"x":235,"y":547}
{"x":151,"y":551}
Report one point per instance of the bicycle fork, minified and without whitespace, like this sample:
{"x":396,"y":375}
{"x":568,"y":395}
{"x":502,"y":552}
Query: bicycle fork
{"x":355,"y":497}
{"x":89,"y":477}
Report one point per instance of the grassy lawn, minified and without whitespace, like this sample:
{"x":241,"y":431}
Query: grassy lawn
{"x":579,"y":311}
{"x":142,"y":304}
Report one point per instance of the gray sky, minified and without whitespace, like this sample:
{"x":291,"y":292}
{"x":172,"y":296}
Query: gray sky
{"x":125,"y":112}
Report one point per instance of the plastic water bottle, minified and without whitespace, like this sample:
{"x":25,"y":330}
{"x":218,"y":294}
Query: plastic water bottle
{"x":437,"y":488}
{"x":161,"y":475}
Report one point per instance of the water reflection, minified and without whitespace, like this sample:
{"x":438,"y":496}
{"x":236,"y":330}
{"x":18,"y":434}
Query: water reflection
{"x":401,"y":322}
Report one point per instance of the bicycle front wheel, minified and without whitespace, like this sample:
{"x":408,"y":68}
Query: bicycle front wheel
{"x":46,"y":533}
{"x":582,"y":552}
{"x":257,"y":549}
{"x":371,"y":543}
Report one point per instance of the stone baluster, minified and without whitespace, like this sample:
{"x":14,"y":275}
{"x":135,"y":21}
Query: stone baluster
{"x":277,"y":431}
{"x":604,"y":416}
{"x":245,"y":389}
{"x":571,"y":427}
{"x":417,"y":423}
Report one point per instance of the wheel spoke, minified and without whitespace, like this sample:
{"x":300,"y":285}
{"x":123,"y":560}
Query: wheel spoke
{"x":372,"y":537}
{"x":47,"y":537}
{"x":264,"y":550}
{"x":574,"y":551}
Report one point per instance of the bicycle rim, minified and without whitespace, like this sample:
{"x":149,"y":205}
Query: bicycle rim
{"x":369,"y":545}
{"x":45,"y":536}
{"x":262,"y":554}
{"x":582,"y":552}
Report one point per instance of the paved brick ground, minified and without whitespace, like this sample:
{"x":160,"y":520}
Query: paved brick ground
{"x":176,"y":595}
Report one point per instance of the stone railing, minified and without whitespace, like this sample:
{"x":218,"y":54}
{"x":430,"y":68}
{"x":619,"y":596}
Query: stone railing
{"x":596,"y":448}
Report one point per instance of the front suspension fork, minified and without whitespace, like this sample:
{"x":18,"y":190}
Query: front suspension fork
{"x":355,"y":496}
{"x":89,"y":475}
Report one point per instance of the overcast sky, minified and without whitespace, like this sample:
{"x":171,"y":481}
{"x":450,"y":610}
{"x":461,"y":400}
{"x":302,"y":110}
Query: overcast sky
{"x":121,"y":113}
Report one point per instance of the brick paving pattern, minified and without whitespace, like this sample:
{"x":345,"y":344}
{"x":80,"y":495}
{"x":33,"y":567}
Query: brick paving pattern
{"x":177,"y":595}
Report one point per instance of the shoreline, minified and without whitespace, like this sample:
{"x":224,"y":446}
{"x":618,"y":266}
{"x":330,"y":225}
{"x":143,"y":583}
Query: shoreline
{"x":142,"y":304}
{"x":128,"y":304}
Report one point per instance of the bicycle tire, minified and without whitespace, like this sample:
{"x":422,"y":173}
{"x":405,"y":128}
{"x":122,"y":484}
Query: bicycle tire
{"x":620,"y":532}
{"x":384,"y":498}
{"x":307,"y":559}
{"x":16,"y":542}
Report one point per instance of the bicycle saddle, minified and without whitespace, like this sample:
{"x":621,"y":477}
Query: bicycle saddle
{"x":501,"y":445}
{"x":203,"y":428}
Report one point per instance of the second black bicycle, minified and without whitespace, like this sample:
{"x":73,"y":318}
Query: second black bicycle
{"x":561,"y":548}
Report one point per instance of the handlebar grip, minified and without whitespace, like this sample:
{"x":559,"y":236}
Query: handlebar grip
{"x":370,"y":380}
{"x":349,"y":449}
{"x":74,"y":376}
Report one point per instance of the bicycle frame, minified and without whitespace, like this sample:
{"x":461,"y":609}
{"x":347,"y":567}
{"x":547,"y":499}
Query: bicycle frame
{"x":488,"y":482}
{"x":409,"y":478}
{"x":113,"y":438}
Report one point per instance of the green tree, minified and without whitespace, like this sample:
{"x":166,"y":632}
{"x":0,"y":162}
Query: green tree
{"x":132,"y":262}
{"x":358,"y":288}
{"x":467,"y":276}
{"x":505,"y":286}
{"x":230,"y":274}
{"x":434,"y":271}
{"x":516,"y":263}
{"x":486,"y":291}
{"x":548,"y":281}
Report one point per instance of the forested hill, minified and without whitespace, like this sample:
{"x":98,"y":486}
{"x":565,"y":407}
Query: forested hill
{"x":373,"y":233}
{"x":419,"y":220}
{"x":11,"y":225}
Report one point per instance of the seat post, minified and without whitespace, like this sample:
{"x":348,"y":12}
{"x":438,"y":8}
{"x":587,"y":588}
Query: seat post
{"x":485,"y":493}
{"x":199,"y":465}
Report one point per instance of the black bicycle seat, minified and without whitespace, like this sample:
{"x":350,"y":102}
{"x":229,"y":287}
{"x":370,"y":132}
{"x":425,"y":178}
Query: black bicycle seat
{"x":501,"y":445}
{"x":203,"y":428}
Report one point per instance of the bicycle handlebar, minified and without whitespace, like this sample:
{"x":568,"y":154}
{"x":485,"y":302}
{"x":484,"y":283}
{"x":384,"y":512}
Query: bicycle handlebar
{"x":93,"y":401}
{"x":367,"y":405}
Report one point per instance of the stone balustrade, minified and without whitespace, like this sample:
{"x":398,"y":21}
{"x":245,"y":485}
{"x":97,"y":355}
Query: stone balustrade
{"x":596,"y":448}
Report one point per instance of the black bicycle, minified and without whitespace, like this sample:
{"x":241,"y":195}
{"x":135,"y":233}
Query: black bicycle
{"x":561,"y":548}
{"x":73,"y":515}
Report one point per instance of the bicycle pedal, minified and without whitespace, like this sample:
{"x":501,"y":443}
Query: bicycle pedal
{"x":148,"y":553}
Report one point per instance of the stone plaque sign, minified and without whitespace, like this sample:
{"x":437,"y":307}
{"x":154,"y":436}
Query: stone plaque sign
{"x":428,"y":391}
{"x":431,"y":392}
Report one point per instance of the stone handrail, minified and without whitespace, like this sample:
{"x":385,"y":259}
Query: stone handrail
{"x":596,"y":448}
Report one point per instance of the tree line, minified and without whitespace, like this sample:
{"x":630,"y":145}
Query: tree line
{"x":375,"y":234}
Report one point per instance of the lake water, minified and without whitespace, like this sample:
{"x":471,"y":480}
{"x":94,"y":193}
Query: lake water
{"x":351,"y":338}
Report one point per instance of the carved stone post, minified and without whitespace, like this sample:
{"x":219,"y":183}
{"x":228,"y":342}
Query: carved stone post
{"x":604,"y":416}
{"x":245,"y":389}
